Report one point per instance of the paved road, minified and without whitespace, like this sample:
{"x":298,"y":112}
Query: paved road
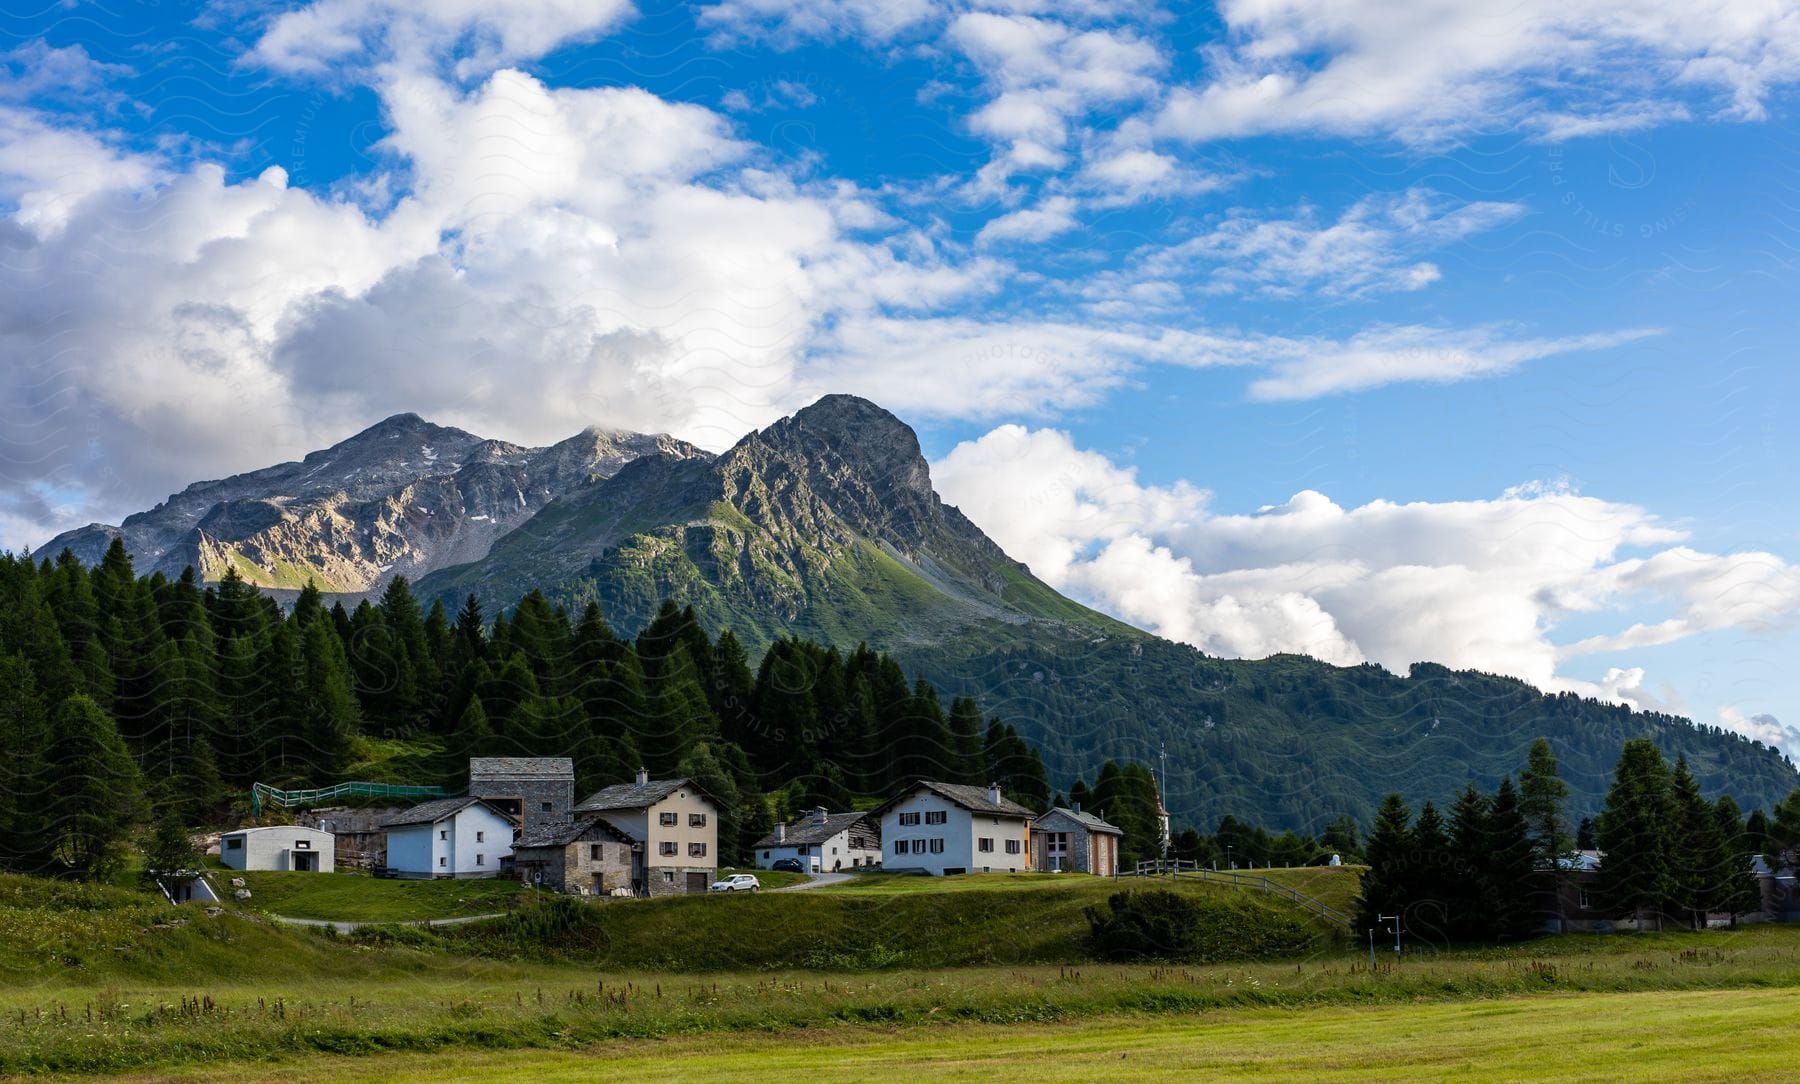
{"x":346,"y":927}
{"x":817,"y":880}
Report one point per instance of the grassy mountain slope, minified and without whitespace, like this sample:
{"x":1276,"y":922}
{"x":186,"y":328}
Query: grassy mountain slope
{"x":825,"y":524}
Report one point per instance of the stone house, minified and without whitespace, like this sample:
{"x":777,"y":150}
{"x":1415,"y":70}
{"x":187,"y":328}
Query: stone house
{"x":823,"y":842}
{"x":677,"y":825}
{"x":949,"y":828}
{"x":584,"y":857}
{"x":450,"y":837}
{"x":1066,"y":839}
{"x":359,"y":836}
{"x":534,"y":791}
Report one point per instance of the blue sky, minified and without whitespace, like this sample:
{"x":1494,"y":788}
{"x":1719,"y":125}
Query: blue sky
{"x":1381,"y":331}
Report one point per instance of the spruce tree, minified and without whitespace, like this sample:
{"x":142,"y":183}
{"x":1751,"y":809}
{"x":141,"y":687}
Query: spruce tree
{"x":1385,"y":888}
{"x":328,"y":711}
{"x":1633,"y":832}
{"x":1510,"y":865}
{"x":1430,"y":889}
{"x":1698,"y":858}
{"x":1740,"y":892}
{"x":1470,"y":897}
{"x":98,"y":802}
{"x":27,"y":781}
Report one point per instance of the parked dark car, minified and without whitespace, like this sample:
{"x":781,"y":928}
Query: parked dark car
{"x":790,"y":865}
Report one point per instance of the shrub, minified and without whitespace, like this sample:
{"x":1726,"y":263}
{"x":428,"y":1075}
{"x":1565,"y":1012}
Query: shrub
{"x":1147,"y":924}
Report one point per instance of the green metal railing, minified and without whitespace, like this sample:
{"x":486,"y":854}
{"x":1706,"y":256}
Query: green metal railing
{"x":262,"y":794}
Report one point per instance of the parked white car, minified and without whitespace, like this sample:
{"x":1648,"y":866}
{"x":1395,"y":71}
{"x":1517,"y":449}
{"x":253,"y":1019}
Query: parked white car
{"x":737,"y":882}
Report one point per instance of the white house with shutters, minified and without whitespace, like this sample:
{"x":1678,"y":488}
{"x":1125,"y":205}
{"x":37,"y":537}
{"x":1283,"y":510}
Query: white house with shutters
{"x":948,"y":828}
{"x":823,"y":842}
{"x":449,"y":837}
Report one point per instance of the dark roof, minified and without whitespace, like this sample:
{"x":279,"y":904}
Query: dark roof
{"x":555,"y":767}
{"x":631,"y":795}
{"x":973,"y":799}
{"x":562,"y":833}
{"x":807,"y":832}
{"x":436,"y":810}
{"x":1086,"y":820}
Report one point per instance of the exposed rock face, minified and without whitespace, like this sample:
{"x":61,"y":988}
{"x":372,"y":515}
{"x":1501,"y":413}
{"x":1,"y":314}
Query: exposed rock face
{"x":402,"y":497}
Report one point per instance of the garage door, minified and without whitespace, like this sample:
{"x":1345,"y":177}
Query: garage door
{"x":696,"y":882}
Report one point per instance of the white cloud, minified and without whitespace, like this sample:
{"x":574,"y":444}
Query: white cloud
{"x":1425,"y":69}
{"x":1480,"y":584}
{"x":786,"y":24}
{"x":1373,"y":247}
{"x":1310,"y":368}
{"x":1056,"y":214}
{"x":480,"y":35}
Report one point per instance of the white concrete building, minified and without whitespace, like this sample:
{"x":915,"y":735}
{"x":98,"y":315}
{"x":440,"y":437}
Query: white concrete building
{"x":945,"y":828}
{"x":449,"y":837}
{"x":823,"y":842}
{"x":279,"y":846}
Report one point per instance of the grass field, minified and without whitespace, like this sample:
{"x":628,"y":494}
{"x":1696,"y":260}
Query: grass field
{"x":349,"y":897}
{"x":1689,"y":1037}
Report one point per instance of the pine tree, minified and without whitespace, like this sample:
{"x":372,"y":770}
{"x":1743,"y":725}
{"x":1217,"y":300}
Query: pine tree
{"x":966,"y":764}
{"x":1740,"y":892}
{"x":1698,"y":856}
{"x":26,"y":779}
{"x":1633,"y":831}
{"x":1385,"y":887}
{"x":1430,"y":890}
{"x":1470,"y":897}
{"x":1510,"y":863}
{"x":99,"y":798}
{"x":328,"y":711}
{"x":1781,"y":833}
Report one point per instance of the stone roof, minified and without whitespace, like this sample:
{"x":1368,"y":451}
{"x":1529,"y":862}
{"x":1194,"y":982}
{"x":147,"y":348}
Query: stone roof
{"x":1086,"y":820}
{"x":552,"y":767}
{"x":973,"y":799}
{"x":630,"y":795}
{"x":435,"y":810}
{"x":563,"y":833}
{"x":808,"y":832}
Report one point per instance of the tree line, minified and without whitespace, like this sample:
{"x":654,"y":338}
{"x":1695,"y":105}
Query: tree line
{"x":124,"y":697}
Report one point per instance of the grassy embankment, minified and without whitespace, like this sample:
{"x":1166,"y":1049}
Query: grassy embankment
{"x":105,"y":980}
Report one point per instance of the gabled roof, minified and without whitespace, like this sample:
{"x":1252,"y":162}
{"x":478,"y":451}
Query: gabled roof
{"x":808,"y":832}
{"x":551,"y":767}
{"x":563,"y":833}
{"x":1086,"y":820}
{"x":973,"y":799}
{"x":436,"y":810}
{"x":635,"y":795}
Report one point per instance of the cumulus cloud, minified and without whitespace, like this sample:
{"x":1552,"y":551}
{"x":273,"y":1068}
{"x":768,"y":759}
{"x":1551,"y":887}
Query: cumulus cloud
{"x":1481,"y":584}
{"x":1053,"y":216}
{"x":1422,"y":70}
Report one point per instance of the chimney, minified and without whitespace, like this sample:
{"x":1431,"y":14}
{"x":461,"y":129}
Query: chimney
{"x":643,"y":775}
{"x":994,"y":793}
{"x":1075,"y":807}
{"x":781,"y":833}
{"x":819,"y":814}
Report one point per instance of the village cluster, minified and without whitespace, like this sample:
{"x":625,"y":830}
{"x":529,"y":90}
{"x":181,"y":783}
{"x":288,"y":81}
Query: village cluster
{"x":659,"y":837}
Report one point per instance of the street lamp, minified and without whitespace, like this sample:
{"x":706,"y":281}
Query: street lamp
{"x":1229,"y":864}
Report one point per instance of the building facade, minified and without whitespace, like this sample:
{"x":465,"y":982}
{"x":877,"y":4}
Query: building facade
{"x":584,"y":857}
{"x":677,"y":825}
{"x":450,"y":837}
{"x":824,"y":842}
{"x":535,"y":791}
{"x":948,"y":828}
{"x":1068,"y":840}
{"x":280,"y":846}
{"x":359,"y":835}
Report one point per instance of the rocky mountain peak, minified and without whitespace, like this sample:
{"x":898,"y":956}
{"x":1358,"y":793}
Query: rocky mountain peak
{"x":841,"y":433}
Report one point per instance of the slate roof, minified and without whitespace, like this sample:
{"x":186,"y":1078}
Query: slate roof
{"x":973,"y":799}
{"x":807,"y":832}
{"x":630,"y":795}
{"x":563,"y":833}
{"x":552,"y":767}
{"x":1086,"y":820}
{"x":435,"y":810}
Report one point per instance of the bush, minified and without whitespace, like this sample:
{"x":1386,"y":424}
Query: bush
{"x":1150,"y":924}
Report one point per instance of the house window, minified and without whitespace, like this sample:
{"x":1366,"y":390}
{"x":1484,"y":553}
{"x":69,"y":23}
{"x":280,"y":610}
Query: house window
{"x":765,"y":854}
{"x":937,"y":846}
{"x":303,"y":844}
{"x":667,"y":820}
{"x":481,"y":859}
{"x":936,"y":816}
{"x":667,"y":847}
{"x":899,"y":846}
{"x":596,"y":852}
{"x":1586,"y":904}
{"x":907,"y":820}
{"x":443,"y":833}
{"x":918,"y":846}
{"x":984,"y":844}
{"x":802,"y":850}
{"x":668,"y":876}
{"x":234,"y":844}
{"x":857,"y":844}
{"x":443,"y":861}
{"x":543,"y":807}
{"x":481,"y":837}
{"x":1012,"y":846}
{"x":696,"y":820}
{"x":696,"y":850}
